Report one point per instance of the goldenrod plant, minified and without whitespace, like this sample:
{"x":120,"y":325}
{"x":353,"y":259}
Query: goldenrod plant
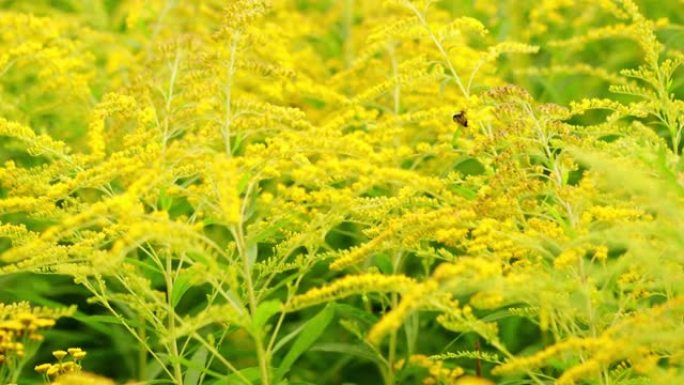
{"x":438,"y":192}
{"x":68,"y":370}
{"x":21,"y":331}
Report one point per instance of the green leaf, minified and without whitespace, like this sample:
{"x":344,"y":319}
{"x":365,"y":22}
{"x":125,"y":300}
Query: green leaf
{"x":195,"y":369}
{"x":469,"y":166}
{"x":181,"y":285}
{"x":89,"y":319}
{"x":236,"y":144}
{"x":384,"y":263}
{"x":311,"y":331}
{"x":153,"y":368}
{"x":244,"y":181}
{"x":344,"y":310}
{"x":412,"y":329}
{"x":165,"y":201}
{"x":96,"y":322}
{"x":269,"y":231}
{"x":355,"y":350}
{"x":252,"y":374}
{"x":252,"y":253}
{"x":285,"y":382}
{"x":263,"y":313}
{"x":464,"y":192}
{"x":289,"y":337}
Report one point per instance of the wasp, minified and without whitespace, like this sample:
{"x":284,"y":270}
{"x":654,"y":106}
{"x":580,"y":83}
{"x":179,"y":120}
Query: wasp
{"x":460,"y":118}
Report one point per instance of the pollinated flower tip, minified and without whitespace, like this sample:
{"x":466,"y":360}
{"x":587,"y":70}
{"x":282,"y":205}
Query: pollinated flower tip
{"x":35,"y":323}
{"x":72,"y":351}
{"x":59,"y":354}
{"x":568,"y":258}
{"x":352,"y":285}
{"x":601,"y":253}
{"x":79,"y":355}
{"x":26,"y":318}
{"x":412,"y":300}
{"x":360,"y":253}
{"x":487,"y":300}
{"x":70,"y":366}
{"x":539,"y":359}
{"x":112,"y":103}
{"x":575,"y":373}
{"x":42,"y":368}
{"x":81,"y":378}
{"x":38,"y":144}
{"x":13,"y":325}
{"x":438,"y":372}
{"x":44,"y":322}
{"x":473,"y":380}
{"x":226,"y":177}
{"x":238,"y":14}
{"x":473,"y":268}
{"x":54,"y":369}
{"x":62,"y":367}
{"x":509,"y":93}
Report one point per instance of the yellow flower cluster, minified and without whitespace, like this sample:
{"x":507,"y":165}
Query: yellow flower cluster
{"x":540,"y":358}
{"x":413,"y":300}
{"x":21,"y":328}
{"x":352,"y":285}
{"x":20,"y":323}
{"x":62,"y":366}
{"x":437,"y":372}
{"x":81,"y":378}
{"x":205,"y":166}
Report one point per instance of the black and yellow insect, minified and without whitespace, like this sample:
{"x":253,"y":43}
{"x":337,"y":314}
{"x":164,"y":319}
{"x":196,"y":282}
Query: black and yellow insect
{"x":460,"y":118}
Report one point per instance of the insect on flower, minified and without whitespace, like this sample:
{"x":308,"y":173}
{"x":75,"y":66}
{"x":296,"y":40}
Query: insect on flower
{"x":460,"y":118}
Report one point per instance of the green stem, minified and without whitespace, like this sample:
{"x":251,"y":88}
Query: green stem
{"x":227,"y":119}
{"x":104,"y":302}
{"x":262,"y":357}
{"x":439,"y":46}
{"x":142,"y":351}
{"x":391,"y":356}
{"x":220,"y":357}
{"x":171,"y":315}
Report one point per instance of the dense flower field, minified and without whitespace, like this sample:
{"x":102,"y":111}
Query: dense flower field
{"x":297,"y":192}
